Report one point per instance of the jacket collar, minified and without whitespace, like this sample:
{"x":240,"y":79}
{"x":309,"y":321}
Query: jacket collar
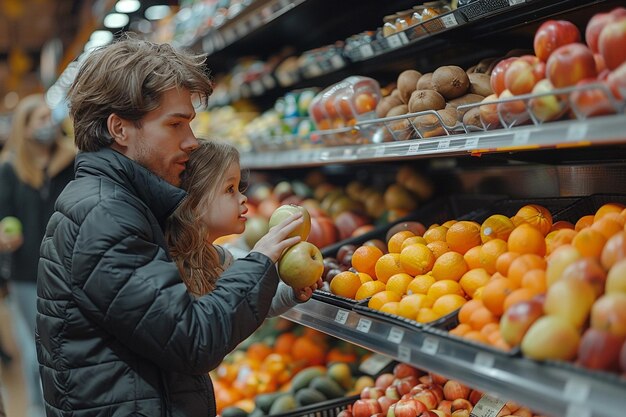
{"x":159,"y":195}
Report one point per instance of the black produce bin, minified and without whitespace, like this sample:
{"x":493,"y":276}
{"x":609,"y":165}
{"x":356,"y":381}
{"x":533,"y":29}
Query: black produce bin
{"x":328,"y":408}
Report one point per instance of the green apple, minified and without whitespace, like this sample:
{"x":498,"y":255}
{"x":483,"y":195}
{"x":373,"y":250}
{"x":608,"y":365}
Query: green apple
{"x":301,"y":265}
{"x":11,"y":226}
{"x":256,"y":228}
{"x":284,"y":211}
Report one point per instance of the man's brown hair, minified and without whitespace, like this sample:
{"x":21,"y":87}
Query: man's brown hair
{"x":128,"y":78}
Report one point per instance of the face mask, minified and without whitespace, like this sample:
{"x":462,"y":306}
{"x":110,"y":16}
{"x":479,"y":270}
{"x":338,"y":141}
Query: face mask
{"x":46,"y":135}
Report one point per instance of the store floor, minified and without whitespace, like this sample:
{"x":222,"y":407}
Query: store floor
{"x":11,"y":378}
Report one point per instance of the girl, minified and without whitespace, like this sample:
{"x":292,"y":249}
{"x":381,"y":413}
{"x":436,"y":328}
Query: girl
{"x":215,"y":207}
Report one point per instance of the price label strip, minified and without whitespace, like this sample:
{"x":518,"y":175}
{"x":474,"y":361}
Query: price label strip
{"x":374,"y":364}
{"x":443,"y":144}
{"x":430,"y":345}
{"x":576,"y":390}
{"x":394,"y":41}
{"x":395,"y":335}
{"x":471,"y":143}
{"x":514,"y":2}
{"x":577,"y":410}
{"x":404,"y":353}
{"x":521,"y":138}
{"x":484,"y":359}
{"x":487,"y":407}
{"x":449,"y":20}
{"x":342,"y":316}
{"x":366,"y":51}
{"x":577,"y":131}
{"x":364,"y":325}
{"x":413,"y":149}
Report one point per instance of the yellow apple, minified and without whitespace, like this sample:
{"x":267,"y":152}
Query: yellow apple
{"x":284,"y":211}
{"x":301,"y":265}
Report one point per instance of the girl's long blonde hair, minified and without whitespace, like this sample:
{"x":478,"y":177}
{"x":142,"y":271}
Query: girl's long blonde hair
{"x":197,"y":259}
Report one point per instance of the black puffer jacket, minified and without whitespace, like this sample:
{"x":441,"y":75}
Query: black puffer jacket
{"x":118,"y":334}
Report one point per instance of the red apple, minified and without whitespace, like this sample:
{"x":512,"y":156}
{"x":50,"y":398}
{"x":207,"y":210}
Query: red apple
{"x":600,"y":63}
{"x":497,"y":75}
{"x":520,"y":77}
{"x":402,"y":370}
{"x":587,"y":269}
{"x":386,"y":402}
{"x":428,"y":398}
{"x":609,"y":313}
{"x":547,"y":107}
{"x":445,"y":406}
{"x":408,"y":408}
{"x":523,"y":412}
{"x":612,"y":43}
{"x":460,"y":413}
{"x":462,"y":404}
{"x":438,"y":378}
{"x":475,"y":396}
{"x":384,"y":380}
{"x":517,"y":319}
{"x":513,"y":112}
{"x":569,"y":64}
{"x":454,"y":390}
{"x":372,"y":392}
{"x":347,"y":222}
{"x":597,"y":23}
{"x":551,"y":35}
{"x":428,"y":413}
{"x":592,"y":101}
{"x":365,"y":408}
{"x":392,"y":392}
{"x":425,"y":379}
{"x":616,"y":80}
{"x":600,"y":349}
{"x":404,"y":385}
{"x":489,"y":112}
{"x":440,"y":413}
{"x":323,"y":232}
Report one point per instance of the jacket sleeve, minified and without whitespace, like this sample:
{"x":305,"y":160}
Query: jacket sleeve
{"x":283,"y":300}
{"x":7,"y":182}
{"x":127,"y":284}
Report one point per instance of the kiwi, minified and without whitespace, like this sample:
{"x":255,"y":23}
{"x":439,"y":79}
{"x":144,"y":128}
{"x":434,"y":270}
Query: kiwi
{"x":480,"y":84}
{"x":407,"y":82}
{"x":450,"y":81}
{"x":425,"y":82}
{"x":386,"y":104}
{"x":471,"y":69}
{"x":472,"y":118}
{"x":397,"y":110}
{"x":466,"y":99}
{"x":426,"y":100}
{"x":484,"y":65}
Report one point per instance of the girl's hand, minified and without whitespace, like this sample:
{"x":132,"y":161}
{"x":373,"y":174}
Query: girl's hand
{"x":276,"y":241}
{"x":305,"y":294}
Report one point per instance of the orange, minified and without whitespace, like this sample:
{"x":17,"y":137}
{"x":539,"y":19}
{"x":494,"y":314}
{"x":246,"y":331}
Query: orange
{"x":410,"y":305}
{"x":537,"y":216}
{"x":476,"y":336}
{"x":562,"y":224}
{"x":589,"y":242}
{"x":444,"y":287}
{"x":608,"y":208}
{"x":258,"y":351}
{"x":472,"y":257}
{"x":615,"y":216}
{"x":474,"y":279}
{"x":480,"y":317}
{"x":495,"y":292}
{"x":607,"y":226}
{"x":426,"y":315}
{"x":368,"y":289}
{"x":380,"y":298}
{"x":523,"y":264}
{"x":517,"y":220}
{"x":364,"y":277}
{"x":394,"y":244}
{"x":388,"y":265}
{"x":417,"y":259}
{"x":490,"y":328}
{"x":583,"y":222}
{"x":438,"y":248}
{"x":345,"y":284}
{"x":467,"y":309}
{"x":478,"y":294}
{"x":520,"y":294}
{"x":461,"y":329}
{"x":448,"y":223}
{"x":390,"y":307}
{"x":448,"y":303}
{"x":450,"y":265}
{"x":432,"y":226}
{"x":435,"y":234}
{"x":283,"y":343}
{"x":496,"y":227}
{"x":399,"y":283}
{"x":614,"y":250}
{"x":535,"y":280}
{"x":490,"y":252}
{"x":527,"y":239}
{"x":504,"y":262}
{"x":411,"y":240}
{"x":560,"y":238}
{"x":308,"y":350}
{"x":462,"y":236}
{"x":364,"y":259}
{"x":420,"y":284}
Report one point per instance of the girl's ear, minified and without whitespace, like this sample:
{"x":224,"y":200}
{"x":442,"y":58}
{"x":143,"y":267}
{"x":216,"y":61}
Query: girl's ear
{"x":118,"y":129}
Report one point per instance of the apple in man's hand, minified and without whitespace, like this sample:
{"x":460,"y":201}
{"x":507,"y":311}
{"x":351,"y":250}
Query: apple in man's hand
{"x":11,"y":226}
{"x":301,"y":265}
{"x":284,"y":211}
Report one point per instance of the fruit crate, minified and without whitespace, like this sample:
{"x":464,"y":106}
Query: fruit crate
{"x":586,"y":206}
{"x":446,"y":322}
{"x":336,"y":300}
{"x":328,"y":408}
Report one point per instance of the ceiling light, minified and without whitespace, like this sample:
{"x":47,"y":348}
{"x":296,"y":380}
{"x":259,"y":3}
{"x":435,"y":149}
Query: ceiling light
{"x":115,"y":20}
{"x":157,"y":12}
{"x":103,"y":36}
{"x":127,"y":6}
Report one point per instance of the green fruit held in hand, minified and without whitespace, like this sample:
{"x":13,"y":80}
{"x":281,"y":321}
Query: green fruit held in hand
{"x":11,"y":226}
{"x":284,"y":211}
{"x":301,"y":265}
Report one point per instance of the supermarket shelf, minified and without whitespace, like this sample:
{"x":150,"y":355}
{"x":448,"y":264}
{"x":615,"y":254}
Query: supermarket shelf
{"x":549,"y":389}
{"x":562,"y":134}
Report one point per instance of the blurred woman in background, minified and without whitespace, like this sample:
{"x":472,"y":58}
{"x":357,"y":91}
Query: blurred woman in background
{"x":35,"y":165}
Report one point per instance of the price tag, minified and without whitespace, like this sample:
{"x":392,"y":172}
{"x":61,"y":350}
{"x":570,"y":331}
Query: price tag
{"x":395,"y":335}
{"x":413,"y":148}
{"x":577,"y":131}
{"x":484,"y":359}
{"x":347,"y":153}
{"x":324,"y":155}
{"x":521,"y":137}
{"x":578,"y":410}
{"x":337,"y":62}
{"x":471,"y":143}
{"x":404,"y":354}
{"x":257,"y":87}
{"x":514,"y":2}
{"x":394,"y":41}
{"x":487,"y":407}
{"x":374,"y":364}
{"x":443,"y":144}
{"x":380,"y":151}
{"x":341,"y":317}
{"x":576,"y":390}
{"x":364,"y":325}
{"x":366,"y":51}
{"x":430,"y":345}
{"x":403,"y":38}
{"x":449,"y":20}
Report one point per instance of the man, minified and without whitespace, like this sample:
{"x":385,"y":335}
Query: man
{"x":118,"y":334}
